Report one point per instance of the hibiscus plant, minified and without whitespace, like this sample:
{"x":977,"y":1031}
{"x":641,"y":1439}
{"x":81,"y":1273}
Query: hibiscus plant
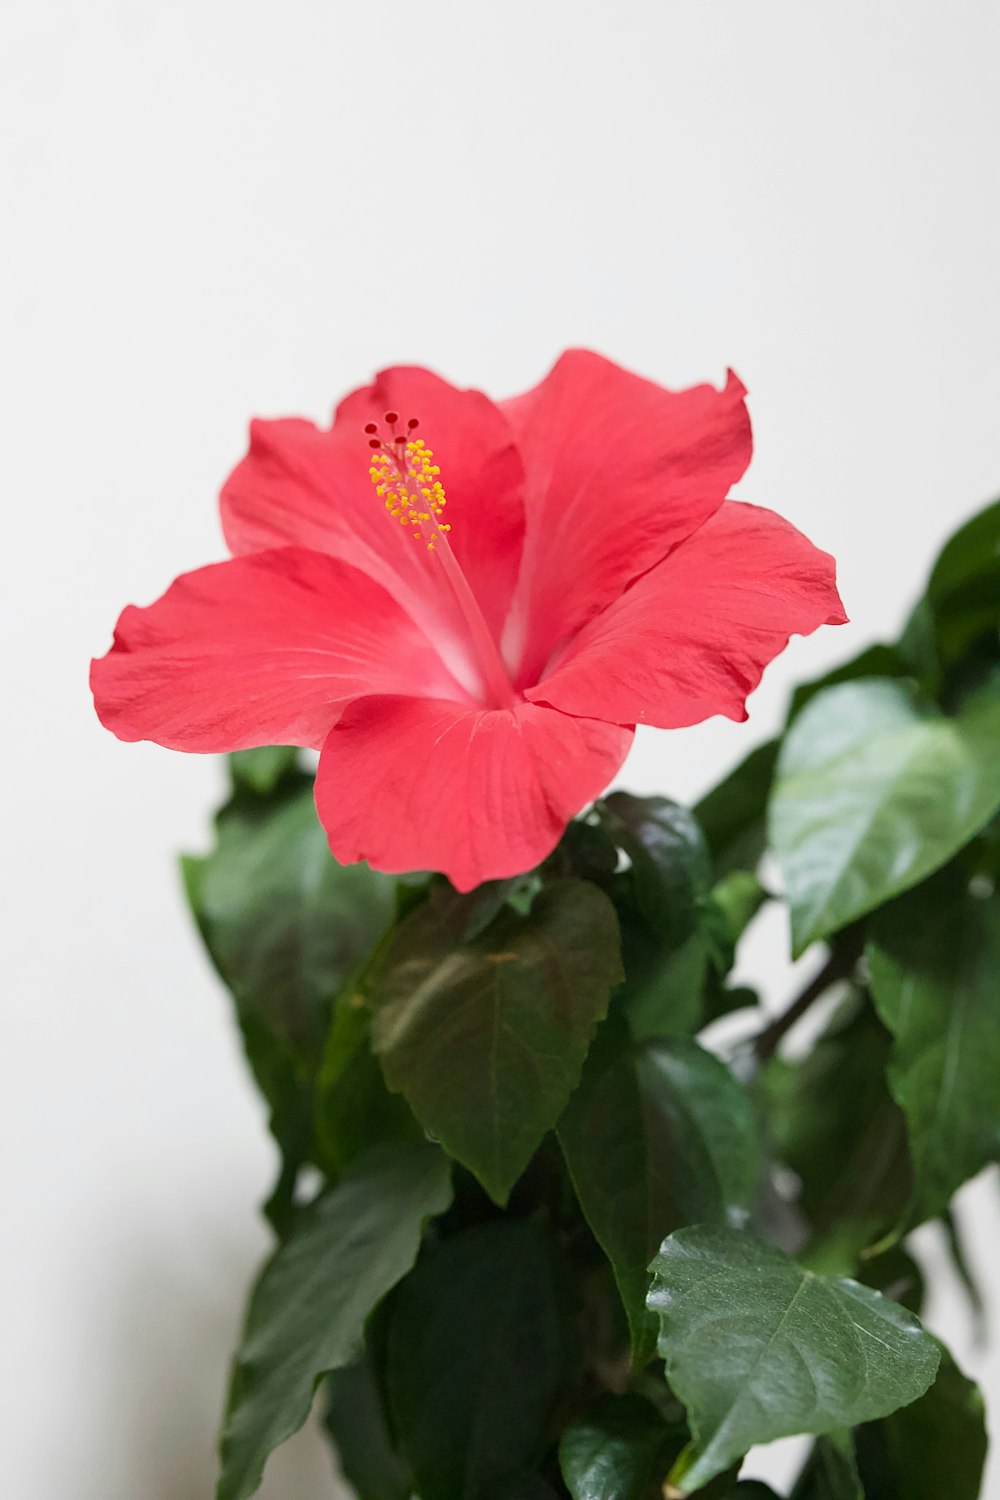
{"x":560,"y":1211}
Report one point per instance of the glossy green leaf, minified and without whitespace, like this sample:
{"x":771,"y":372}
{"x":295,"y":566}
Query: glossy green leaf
{"x":873,"y":661}
{"x":260,"y":770}
{"x":831,"y":1472}
{"x":475,"y":1359}
{"x":660,"y":898}
{"x":932,"y":1450}
{"x":935,"y":976}
{"x":356,"y":1420}
{"x":758,"y":1348}
{"x":658,"y":1134}
{"x":732,"y":815}
{"x":831,"y":1119}
{"x":670,"y":866}
{"x":486,"y":1038}
{"x":308,"y":1310}
{"x":620,"y":1449}
{"x":873,"y":793}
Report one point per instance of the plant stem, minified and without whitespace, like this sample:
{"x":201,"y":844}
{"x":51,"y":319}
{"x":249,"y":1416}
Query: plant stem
{"x":840,"y":965}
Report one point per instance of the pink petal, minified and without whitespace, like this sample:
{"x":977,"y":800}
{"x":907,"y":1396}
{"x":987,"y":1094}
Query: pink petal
{"x":619,"y":471}
{"x":692,"y":638}
{"x":261,"y":650}
{"x":304,"y":485}
{"x":476,"y":794}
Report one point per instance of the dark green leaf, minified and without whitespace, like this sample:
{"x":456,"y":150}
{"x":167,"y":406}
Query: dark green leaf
{"x":873,"y":793}
{"x":670,"y":864}
{"x":932,"y":1450}
{"x":935,"y":975}
{"x":355,"y":1418}
{"x":486,"y":1038}
{"x":962,"y":601}
{"x":353,"y":1106}
{"x":758,"y":1348}
{"x":895,"y":1274}
{"x":658,"y":1134}
{"x":524,"y":1487}
{"x":731,"y":907}
{"x":284,"y":923}
{"x":620,"y":1449}
{"x":732,"y":815}
{"x":259,"y":771}
{"x":308,"y":1310}
{"x":659,"y":900}
{"x":831,"y":1472}
{"x":831,"y":1118}
{"x":476,"y":1358}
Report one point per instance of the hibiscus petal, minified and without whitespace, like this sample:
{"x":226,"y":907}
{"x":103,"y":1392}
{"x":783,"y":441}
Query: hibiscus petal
{"x":261,"y":650}
{"x":303,"y":485}
{"x":477,"y":794}
{"x":619,"y":471}
{"x":692,"y":638}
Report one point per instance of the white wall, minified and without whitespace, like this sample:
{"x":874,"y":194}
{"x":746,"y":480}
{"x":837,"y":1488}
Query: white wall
{"x":194,"y":231}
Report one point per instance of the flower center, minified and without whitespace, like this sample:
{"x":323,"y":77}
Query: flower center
{"x":408,"y":481}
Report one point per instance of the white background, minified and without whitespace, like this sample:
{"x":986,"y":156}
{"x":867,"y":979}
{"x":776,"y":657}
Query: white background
{"x":214,"y":208}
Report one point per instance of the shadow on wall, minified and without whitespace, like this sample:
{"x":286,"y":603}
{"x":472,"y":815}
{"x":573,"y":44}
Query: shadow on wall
{"x":167,"y":1334}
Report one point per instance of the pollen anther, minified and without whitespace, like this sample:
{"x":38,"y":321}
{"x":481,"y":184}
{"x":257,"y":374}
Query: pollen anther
{"x":404,"y":474}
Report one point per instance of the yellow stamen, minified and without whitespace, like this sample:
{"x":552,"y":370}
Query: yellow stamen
{"x":409,"y":482}
{"x":410,"y":485}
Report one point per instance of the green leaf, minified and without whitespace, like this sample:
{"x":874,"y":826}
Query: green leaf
{"x":873,"y":793}
{"x":659,"y":900}
{"x":486,"y":1038}
{"x":874,"y":661}
{"x":962,"y":600}
{"x":524,"y":1487}
{"x":732,"y":815}
{"x":284,"y":923}
{"x":670,"y":863}
{"x":831,"y":1119}
{"x":933,"y":1449}
{"x":475,"y":1358}
{"x":307,"y":1312}
{"x":260,"y":770}
{"x":353,"y":1106}
{"x":935,"y":976}
{"x":658,"y":1134}
{"x":730,"y":908}
{"x":355,"y":1419}
{"x":758,"y":1348}
{"x":831,"y":1472}
{"x":620,"y":1449}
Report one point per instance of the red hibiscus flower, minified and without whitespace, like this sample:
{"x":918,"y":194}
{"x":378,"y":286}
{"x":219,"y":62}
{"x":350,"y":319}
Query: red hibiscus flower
{"x":467,"y":606}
